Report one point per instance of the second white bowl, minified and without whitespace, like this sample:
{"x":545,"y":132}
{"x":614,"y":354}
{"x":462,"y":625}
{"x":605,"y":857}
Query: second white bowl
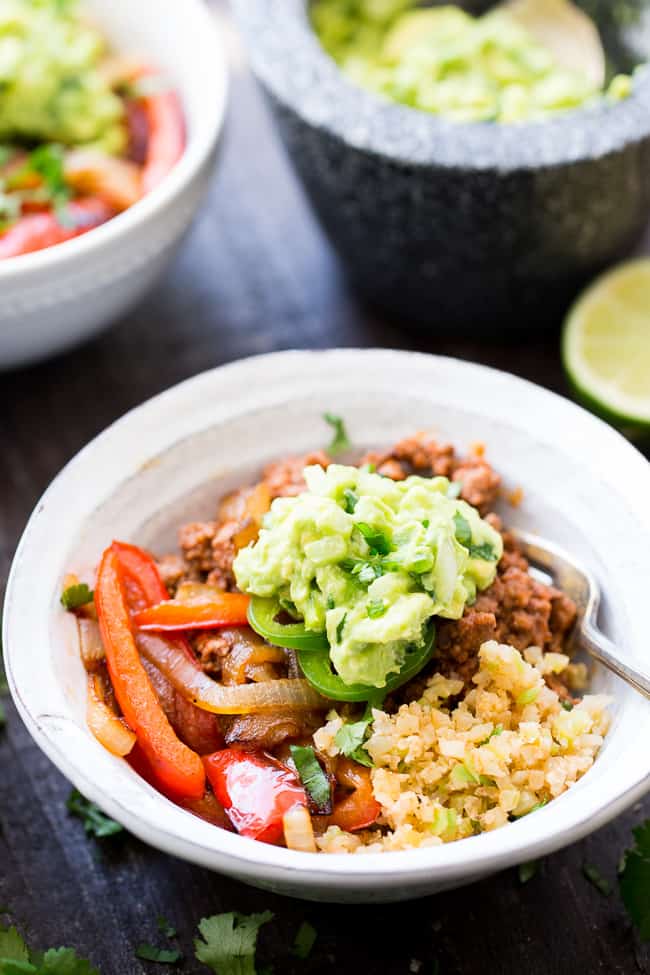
{"x":56,"y":297}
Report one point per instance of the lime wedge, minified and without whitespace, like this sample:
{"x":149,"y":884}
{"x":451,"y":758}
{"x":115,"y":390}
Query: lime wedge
{"x":606,"y":345}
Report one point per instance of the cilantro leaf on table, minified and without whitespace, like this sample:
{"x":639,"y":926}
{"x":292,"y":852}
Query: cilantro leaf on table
{"x":594,"y":876}
{"x":15,"y":958}
{"x":96,"y":823}
{"x":228,"y":941}
{"x":527,"y":871}
{"x":314,"y":780}
{"x":163,"y":956}
{"x":340,"y":440}
{"x":349,"y":740}
{"x":634,"y":880}
{"x":12,"y":946}
{"x":304,"y":940}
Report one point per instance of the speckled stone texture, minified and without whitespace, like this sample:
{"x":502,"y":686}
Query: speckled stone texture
{"x":448,"y":226}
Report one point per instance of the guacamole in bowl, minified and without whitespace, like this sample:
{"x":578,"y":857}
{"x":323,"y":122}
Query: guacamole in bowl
{"x":444,"y":61}
{"x":84,"y":132}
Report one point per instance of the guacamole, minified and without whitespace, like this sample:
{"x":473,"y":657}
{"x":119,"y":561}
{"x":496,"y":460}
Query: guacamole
{"x":444,"y":61}
{"x":369,"y":561}
{"x":51,"y":86}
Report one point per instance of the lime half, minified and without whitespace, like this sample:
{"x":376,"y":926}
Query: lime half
{"x":606,"y":345}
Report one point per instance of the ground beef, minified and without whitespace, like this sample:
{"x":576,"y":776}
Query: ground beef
{"x":422,"y":454}
{"x":516,"y":609}
{"x":172,"y":571}
{"x":284,"y":477}
{"x":195,"y":540}
{"x":211,"y":647}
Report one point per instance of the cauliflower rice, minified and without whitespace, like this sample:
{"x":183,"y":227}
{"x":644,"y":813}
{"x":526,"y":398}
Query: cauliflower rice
{"x":445,"y":772}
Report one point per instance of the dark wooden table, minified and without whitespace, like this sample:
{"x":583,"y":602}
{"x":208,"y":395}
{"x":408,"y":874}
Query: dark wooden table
{"x":255,"y":275}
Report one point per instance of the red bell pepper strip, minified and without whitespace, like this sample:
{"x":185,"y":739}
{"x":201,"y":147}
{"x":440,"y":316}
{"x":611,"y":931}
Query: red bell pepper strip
{"x":255,"y":790}
{"x":178,"y":770}
{"x":227,"y":609}
{"x":197,"y":728}
{"x":36,"y":231}
{"x":166,"y":140}
{"x":360,"y":809}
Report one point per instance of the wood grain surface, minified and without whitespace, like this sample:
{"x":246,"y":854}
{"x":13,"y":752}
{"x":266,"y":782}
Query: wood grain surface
{"x":255,"y":275}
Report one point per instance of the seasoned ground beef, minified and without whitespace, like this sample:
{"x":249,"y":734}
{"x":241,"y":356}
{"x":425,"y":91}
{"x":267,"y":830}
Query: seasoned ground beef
{"x":284,"y":478}
{"x":516,"y":609}
{"x":422,"y":454}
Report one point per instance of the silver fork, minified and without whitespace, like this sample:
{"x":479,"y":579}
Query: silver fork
{"x":552,"y":565}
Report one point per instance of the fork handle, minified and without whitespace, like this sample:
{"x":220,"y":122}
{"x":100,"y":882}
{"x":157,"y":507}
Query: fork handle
{"x":597,"y":644}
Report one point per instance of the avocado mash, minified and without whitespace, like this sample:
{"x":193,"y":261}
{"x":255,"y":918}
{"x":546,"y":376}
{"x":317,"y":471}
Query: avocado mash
{"x":369,"y":561}
{"x":51,"y":88}
{"x":444,"y":61}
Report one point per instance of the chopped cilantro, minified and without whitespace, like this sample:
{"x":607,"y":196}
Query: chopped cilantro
{"x":96,"y":823}
{"x":376,"y":540}
{"x":527,"y":871}
{"x":74,"y":597}
{"x":484,"y":551}
{"x":311,"y":775}
{"x":496,"y":731}
{"x":228,"y":941}
{"x":463,"y":530}
{"x":351,"y":500}
{"x":595,"y":877}
{"x":165,"y":927}
{"x":339,"y":628}
{"x":304,"y":941}
{"x":15,"y":958}
{"x":426,"y":523}
{"x":349,"y":740}
{"x":330,"y":602}
{"x":164,"y":956}
{"x":567,"y":705}
{"x":376,"y":608}
{"x":340,"y":440}
{"x":635,"y":880}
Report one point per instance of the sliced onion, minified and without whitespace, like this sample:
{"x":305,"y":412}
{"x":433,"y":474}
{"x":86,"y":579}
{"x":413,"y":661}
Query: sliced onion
{"x":105,"y":725}
{"x":90,"y":643}
{"x":118,"y":181}
{"x":193,"y":593}
{"x":299,"y":830}
{"x":188,"y":678}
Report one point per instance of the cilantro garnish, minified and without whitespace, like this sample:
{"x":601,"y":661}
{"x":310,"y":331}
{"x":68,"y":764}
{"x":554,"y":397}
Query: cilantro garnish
{"x":376,"y":540}
{"x":484,"y":551}
{"x":527,"y":871}
{"x":567,"y":705}
{"x":635,"y":880}
{"x":228,"y":941}
{"x":376,"y":608}
{"x":164,"y":956}
{"x":340,"y":440}
{"x":339,"y":628}
{"x":351,"y":500}
{"x":316,"y":783}
{"x":595,"y":877}
{"x":16,"y":958}
{"x":96,"y":823}
{"x":74,"y":597}
{"x":463,"y":530}
{"x":304,"y":941}
{"x":349,"y":740}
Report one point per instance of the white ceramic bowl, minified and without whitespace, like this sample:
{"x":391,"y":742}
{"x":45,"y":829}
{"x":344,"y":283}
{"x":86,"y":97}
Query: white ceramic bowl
{"x":54,"y":298}
{"x":169,"y":460}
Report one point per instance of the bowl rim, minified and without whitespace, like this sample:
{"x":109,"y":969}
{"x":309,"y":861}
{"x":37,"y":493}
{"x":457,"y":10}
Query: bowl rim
{"x":198,"y":150}
{"x":311,"y":84}
{"x":149,"y":815}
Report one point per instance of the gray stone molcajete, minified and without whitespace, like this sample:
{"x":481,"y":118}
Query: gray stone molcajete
{"x":457,"y":227}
